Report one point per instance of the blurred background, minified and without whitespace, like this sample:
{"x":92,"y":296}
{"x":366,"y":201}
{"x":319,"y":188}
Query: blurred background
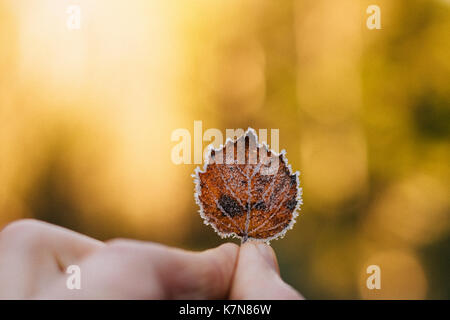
{"x":86,"y":118}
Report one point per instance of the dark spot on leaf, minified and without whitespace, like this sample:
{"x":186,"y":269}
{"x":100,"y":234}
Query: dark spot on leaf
{"x":230,"y":205}
{"x":263,"y":179}
{"x":291,"y":204}
{"x":293,"y":180}
{"x":260,"y":205}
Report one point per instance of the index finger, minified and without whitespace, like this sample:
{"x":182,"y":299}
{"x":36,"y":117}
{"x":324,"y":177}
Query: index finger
{"x":128,"y":269}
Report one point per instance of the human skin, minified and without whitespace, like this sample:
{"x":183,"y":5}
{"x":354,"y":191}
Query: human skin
{"x":34,"y":256}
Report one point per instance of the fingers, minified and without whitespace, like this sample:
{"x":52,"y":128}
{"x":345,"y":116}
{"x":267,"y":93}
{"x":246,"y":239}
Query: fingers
{"x":66,"y":246}
{"x":207,"y":275}
{"x":138,"y":270}
{"x":33,"y":253}
{"x":257,"y":275}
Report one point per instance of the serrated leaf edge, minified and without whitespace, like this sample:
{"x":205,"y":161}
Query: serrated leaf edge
{"x":197,"y":190}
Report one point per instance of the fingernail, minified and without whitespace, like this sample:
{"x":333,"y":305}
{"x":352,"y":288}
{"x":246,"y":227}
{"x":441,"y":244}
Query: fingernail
{"x":268,"y":255}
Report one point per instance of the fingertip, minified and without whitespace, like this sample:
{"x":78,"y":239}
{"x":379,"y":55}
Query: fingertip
{"x":227,"y":253}
{"x":261,"y":252}
{"x":257,"y":275}
{"x":269,"y":256}
{"x":226,"y":257}
{"x":217,"y":268}
{"x":229,"y":248}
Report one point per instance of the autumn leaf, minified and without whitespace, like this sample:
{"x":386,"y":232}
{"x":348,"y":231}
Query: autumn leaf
{"x":247,"y":191}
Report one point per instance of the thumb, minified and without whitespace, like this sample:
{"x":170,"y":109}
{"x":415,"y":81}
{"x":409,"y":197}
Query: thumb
{"x":257,"y":275}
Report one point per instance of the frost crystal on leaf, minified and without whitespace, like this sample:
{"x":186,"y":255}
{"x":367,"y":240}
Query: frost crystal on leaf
{"x":247,"y":191}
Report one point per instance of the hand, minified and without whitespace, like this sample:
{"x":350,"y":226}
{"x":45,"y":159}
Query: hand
{"x":34,"y":256}
{"x":257,"y":275}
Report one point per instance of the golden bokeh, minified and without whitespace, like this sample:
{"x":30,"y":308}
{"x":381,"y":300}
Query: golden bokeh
{"x":402,"y":276}
{"x":87,"y":115}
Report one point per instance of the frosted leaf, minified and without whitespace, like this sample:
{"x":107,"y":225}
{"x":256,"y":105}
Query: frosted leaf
{"x":247,"y":191}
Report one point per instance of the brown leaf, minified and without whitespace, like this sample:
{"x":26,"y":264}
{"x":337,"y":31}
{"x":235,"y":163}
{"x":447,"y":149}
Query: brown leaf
{"x":247,"y":191}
